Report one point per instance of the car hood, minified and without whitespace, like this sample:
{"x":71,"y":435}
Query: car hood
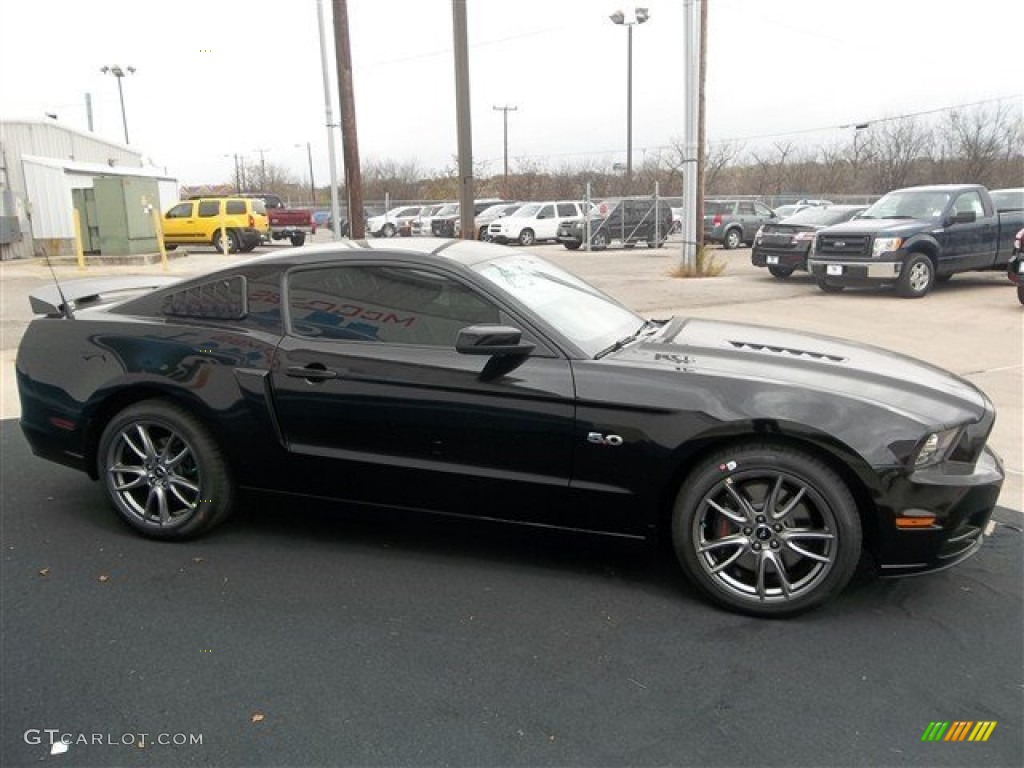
{"x":893,"y":227}
{"x":818,"y":364}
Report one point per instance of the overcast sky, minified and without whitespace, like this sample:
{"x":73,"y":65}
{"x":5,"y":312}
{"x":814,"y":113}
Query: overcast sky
{"x":216,"y":78}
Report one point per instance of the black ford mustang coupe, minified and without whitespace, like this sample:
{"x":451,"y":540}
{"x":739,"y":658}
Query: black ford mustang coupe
{"x":464,"y":378}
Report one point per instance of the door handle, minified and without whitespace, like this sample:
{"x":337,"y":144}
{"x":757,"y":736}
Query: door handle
{"x":314,"y":372}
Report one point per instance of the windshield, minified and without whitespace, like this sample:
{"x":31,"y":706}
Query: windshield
{"x":447,"y":210}
{"x":823,"y":216}
{"x":576,"y":309}
{"x":909,"y":204}
{"x":528,"y":210}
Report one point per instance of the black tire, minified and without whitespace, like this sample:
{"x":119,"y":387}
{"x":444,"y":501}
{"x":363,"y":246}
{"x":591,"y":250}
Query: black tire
{"x":733,"y":239}
{"x":599,"y":240}
{"x":780,"y":272}
{"x":298,"y":239}
{"x":766,"y":530}
{"x":481,"y":234}
{"x":917,"y":277}
{"x":527,"y":237}
{"x":248,"y":248}
{"x":572,"y":245}
{"x":654,"y":243}
{"x":828,"y":287}
{"x":170,"y":247}
{"x":1020,"y":293}
{"x":233,"y":242}
{"x":163,"y":472}
{"x":388,"y":230}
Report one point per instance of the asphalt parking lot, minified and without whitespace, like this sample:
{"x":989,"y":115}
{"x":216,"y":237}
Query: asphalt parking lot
{"x":301,"y":635}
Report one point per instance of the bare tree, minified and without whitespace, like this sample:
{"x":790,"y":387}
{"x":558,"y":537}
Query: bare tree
{"x":892,"y":148}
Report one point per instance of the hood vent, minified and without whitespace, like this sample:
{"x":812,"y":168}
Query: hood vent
{"x":787,"y":351}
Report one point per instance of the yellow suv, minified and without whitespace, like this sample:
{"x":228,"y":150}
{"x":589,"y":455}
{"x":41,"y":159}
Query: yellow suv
{"x":199,"y":222}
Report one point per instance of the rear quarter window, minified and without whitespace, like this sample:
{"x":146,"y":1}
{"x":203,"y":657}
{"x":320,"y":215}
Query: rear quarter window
{"x":209,"y":208}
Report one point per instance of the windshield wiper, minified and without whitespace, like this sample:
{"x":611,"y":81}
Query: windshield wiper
{"x":648,"y":327}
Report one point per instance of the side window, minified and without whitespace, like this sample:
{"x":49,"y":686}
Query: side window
{"x":397,"y":305}
{"x":208,"y":208}
{"x":762,"y":210}
{"x":546,"y":212}
{"x":235,"y":206}
{"x":746,"y":209}
{"x":180,"y":211}
{"x":968,"y":202}
{"x":259,"y":207}
{"x":567,"y":209}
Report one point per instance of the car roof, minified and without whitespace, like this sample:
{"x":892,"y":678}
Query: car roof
{"x":465,"y":252}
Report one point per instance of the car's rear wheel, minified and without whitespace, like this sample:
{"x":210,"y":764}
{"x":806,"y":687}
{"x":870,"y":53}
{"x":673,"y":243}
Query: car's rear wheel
{"x":1020,"y":293}
{"x":298,"y":239}
{"x":917,"y":277}
{"x":599,"y":240}
{"x":733,"y":238}
{"x":527,"y":237}
{"x":233,"y":241}
{"x":766,"y":530}
{"x":780,"y":272}
{"x":653,"y":242}
{"x":163,"y":471}
{"x":572,"y":245}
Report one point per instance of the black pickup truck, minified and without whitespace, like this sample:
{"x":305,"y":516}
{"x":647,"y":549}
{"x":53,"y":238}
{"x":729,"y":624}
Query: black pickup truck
{"x":912,"y":237}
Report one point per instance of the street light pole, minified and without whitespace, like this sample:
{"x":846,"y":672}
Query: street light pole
{"x":640,"y":15}
{"x":119,"y":73}
{"x":506,"y":109}
{"x":312,"y":184}
{"x":263,"y":167}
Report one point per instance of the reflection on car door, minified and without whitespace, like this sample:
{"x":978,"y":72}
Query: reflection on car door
{"x":376,"y":406}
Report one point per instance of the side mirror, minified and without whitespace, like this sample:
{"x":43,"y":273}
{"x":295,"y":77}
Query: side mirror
{"x":963,"y":217}
{"x":491,"y":340}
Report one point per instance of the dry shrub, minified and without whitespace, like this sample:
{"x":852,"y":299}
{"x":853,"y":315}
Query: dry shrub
{"x":707,"y":265}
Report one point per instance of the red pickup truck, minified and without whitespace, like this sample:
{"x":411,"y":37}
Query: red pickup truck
{"x":286,"y":223}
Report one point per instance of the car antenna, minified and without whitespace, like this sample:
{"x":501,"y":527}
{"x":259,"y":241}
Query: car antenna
{"x":64,"y":302}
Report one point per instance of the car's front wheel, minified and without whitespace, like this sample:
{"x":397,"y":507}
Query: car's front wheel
{"x":733,"y":239}
{"x":780,"y":272}
{"x":164,"y":472}
{"x":767,"y":530}
{"x":527,"y":237}
{"x":917,"y":277}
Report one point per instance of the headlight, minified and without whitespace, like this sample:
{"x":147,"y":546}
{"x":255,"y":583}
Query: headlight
{"x":885,"y":245}
{"x":758,"y":235}
{"x":936,"y":447}
{"x":803,"y":237}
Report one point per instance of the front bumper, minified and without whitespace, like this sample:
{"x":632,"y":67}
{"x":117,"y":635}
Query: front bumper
{"x":771,"y":257}
{"x":961,"y":498}
{"x":855,"y":272}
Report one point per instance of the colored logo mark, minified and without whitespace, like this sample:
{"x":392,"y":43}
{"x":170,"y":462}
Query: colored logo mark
{"x":959,"y":730}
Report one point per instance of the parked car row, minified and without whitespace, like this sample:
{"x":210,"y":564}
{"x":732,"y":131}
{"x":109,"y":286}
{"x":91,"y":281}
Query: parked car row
{"x":909,"y":239}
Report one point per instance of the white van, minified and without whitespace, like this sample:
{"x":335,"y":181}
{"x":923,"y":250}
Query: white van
{"x":536,"y":221}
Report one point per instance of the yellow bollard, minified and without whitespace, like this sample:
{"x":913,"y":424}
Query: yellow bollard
{"x":159,"y":237}
{"x":79,"y":251}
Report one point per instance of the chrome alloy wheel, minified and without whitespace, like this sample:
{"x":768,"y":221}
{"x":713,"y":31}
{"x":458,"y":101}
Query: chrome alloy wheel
{"x":920,"y":276}
{"x":765,"y":536}
{"x":153,"y":474}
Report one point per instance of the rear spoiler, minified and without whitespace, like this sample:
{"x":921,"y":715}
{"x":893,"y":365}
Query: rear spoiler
{"x":49,"y":299}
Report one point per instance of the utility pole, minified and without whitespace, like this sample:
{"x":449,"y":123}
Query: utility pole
{"x":701,"y":138}
{"x":331,"y":125}
{"x":349,"y":138}
{"x":263,"y":168}
{"x":465,"y":135}
{"x":505,"y":109}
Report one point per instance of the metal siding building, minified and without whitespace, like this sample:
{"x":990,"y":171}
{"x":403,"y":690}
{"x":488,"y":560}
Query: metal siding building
{"x":40,"y":163}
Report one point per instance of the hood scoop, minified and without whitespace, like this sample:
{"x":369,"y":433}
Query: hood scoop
{"x":787,"y":351}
